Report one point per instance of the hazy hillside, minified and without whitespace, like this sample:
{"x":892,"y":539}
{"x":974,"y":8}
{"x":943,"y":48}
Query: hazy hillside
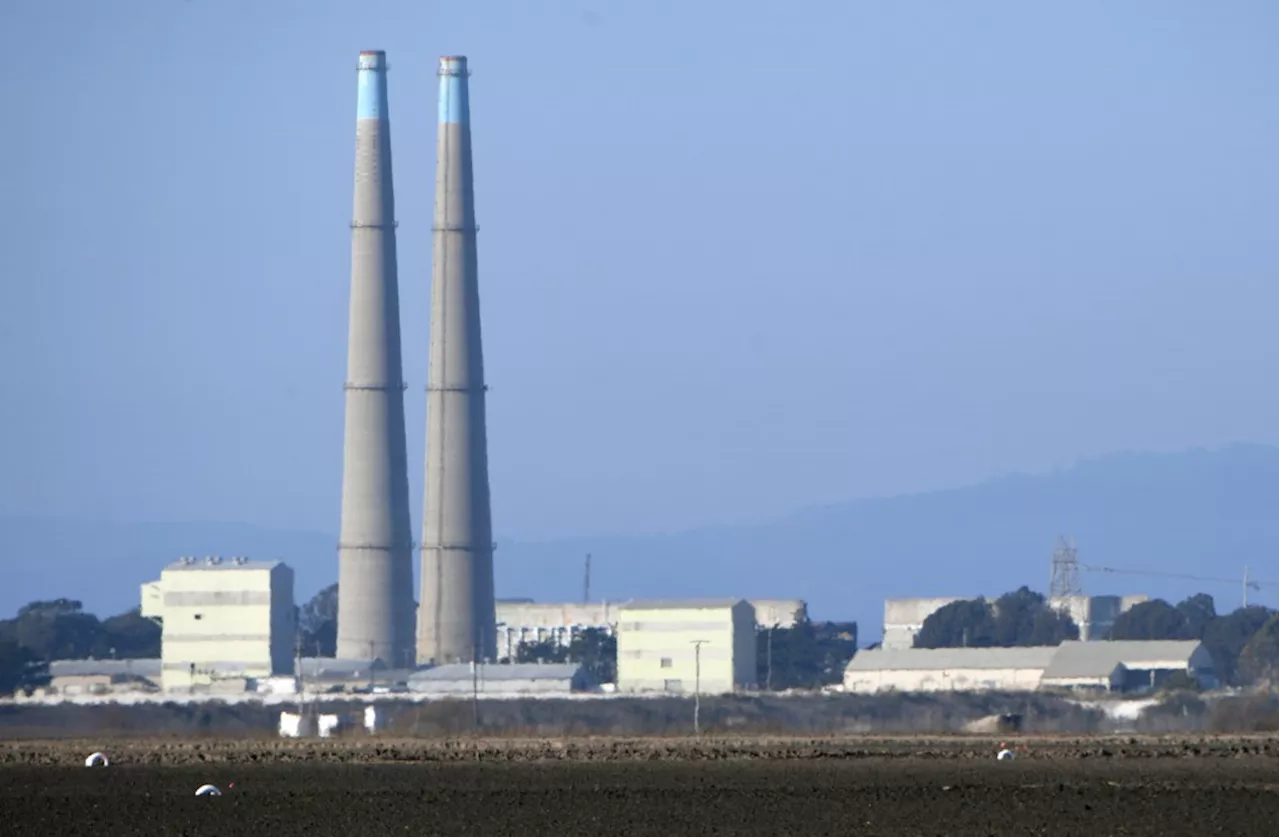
{"x":1205,"y":513}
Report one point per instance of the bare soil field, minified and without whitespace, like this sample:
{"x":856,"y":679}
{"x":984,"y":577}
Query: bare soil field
{"x":870,"y":786}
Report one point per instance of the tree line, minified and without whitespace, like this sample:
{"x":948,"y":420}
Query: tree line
{"x":61,"y":630}
{"x":1243,"y":643}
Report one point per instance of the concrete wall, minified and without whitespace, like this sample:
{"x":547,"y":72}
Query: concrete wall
{"x":550,"y":622}
{"x":225,"y":619}
{"x":784,"y":613}
{"x":903,"y":618}
{"x":944,"y":680}
{"x":656,"y":649}
{"x":505,"y":686}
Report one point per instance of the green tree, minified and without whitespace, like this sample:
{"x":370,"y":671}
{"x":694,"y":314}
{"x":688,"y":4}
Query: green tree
{"x":597,"y":651}
{"x":1198,"y":611}
{"x":806,"y":655}
{"x":964,"y":624}
{"x":593,"y":648}
{"x":1023,"y":618}
{"x":1226,"y":637}
{"x":128,"y":635}
{"x":1258,"y":659}
{"x":318,"y":623}
{"x":19,"y":668}
{"x":1156,"y":619}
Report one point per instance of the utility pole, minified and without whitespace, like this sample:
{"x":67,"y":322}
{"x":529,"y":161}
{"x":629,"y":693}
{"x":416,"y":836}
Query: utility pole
{"x":768,"y":672}
{"x":1245,"y":586}
{"x":475,"y":690}
{"x":697,"y":683}
{"x":586,"y":581}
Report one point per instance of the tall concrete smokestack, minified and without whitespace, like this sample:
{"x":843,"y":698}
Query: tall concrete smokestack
{"x":456,"y":611}
{"x":375,"y":548}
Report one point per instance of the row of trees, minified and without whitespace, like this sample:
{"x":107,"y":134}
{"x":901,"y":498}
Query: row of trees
{"x":1020,"y":618}
{"x":1242,"y":643}
{"x":62,"y":630}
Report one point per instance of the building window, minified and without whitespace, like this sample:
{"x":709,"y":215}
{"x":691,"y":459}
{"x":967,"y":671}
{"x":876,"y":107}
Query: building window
{"x":665,"y":662}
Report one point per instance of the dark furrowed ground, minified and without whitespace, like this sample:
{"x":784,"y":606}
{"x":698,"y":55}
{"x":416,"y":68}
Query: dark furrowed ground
{"x":869,"y":796}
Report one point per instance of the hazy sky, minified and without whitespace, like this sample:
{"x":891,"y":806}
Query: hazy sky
{"x":736,"y":257}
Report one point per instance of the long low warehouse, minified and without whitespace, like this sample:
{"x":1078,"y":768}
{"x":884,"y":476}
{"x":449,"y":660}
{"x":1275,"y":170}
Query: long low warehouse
{"x":1111,"y":666}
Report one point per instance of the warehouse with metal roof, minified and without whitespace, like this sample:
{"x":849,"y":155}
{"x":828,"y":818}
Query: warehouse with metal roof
{"x":1130,"y":665}
{"x":544,"y":679}
{"x":1135,"y":665}
{"x":947,"y":669}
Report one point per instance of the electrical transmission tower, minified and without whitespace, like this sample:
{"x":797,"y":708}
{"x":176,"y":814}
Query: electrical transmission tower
{"x":1065,"y":577}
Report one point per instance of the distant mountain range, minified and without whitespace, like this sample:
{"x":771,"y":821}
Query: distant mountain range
{"x":1203,"y":513}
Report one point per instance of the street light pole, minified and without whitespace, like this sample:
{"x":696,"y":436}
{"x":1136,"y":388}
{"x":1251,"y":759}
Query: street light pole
{"x":697,"y":683}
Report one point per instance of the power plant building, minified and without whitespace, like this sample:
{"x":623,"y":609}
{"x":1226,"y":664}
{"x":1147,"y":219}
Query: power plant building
{"x":222,"y":619}
{"x":456,"y":617}
{"x":375,"y":546}
{"x":708,"y":645}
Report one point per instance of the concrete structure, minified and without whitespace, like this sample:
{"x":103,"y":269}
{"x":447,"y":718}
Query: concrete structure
{"x":524,"y":620}
{"x":75,"y":677}
{"x":903,"y":618}
{"x":1094,"y":615}
{"x":375,"y":547}
{"x":502,"y":679}
{"x":456,"y":608}
{"x":780,"y":613}
{"x":223,"y":619}
{"x":1131,"y":666}
{"x":556,"y":622}
{"x":656,"y":646}
{"x":947,"y":669}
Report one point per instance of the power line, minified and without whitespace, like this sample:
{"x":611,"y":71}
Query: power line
{"x":1255,"y":585}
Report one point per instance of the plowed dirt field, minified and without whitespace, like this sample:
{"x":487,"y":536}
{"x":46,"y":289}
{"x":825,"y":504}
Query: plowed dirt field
{"x":897,"y":788}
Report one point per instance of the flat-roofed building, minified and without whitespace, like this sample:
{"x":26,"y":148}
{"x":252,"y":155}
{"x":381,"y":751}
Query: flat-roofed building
{"x":223,"y":619}
{"x":678,"y":646}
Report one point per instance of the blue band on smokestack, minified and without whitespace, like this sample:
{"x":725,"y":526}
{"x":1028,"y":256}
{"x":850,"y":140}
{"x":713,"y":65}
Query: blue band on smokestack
{"x":371,"y":95}
{"x":454,"y":107}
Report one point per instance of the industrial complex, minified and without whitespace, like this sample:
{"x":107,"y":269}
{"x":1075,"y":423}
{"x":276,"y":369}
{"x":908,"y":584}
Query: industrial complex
{"x":229,"y":625}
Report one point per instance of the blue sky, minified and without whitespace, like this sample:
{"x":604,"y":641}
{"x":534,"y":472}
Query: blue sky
{"x":736,"y":257}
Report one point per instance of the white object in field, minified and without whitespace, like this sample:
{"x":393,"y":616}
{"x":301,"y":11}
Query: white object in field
{"x":208,"y":790}
{"x":96,"y":760}
{"x":371,"y":719}
{"x":326,"y":724}
{"x":1005,"y":755}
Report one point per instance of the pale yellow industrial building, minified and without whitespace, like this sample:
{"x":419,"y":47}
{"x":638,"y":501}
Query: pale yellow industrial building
{"x":224,"y":619}
{"x":679,"y":646}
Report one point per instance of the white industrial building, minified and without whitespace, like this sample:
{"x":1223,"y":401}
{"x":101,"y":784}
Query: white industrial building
{"x":1136,"y":665}
{"x":947,"y":669}
{"x":1093,"y":615}
{"x":780,"y":613}
{"x":224,"y":620}
{"x":82,"y":677}
{"x":682,"y":645}
{"x":542,"y":679}
{"x":903,"y":618}
{"x":524,"y":620}
{"x":1132,"y":665}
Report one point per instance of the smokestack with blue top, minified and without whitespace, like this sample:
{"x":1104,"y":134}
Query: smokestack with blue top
{"x":456,"y":621}
{"x":375,"y":548}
